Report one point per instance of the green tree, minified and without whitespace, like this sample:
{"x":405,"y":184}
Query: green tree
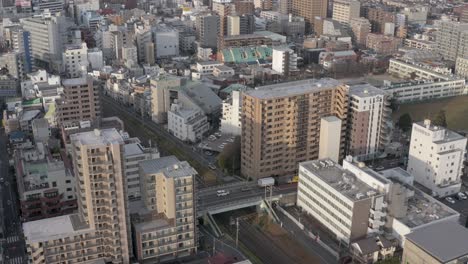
{"x":440,"y":119}
{"x":405,"y":122}
{"x":229,"y":159}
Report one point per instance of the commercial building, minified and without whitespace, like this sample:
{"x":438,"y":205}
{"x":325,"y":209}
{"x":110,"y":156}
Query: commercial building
{"x":166,"y":42}
{"x":208,"y":30}
{"x":281,"y":124}
{"x":284,"y":61}
{"x":383,"y":44}
{"x":345,"y":10}
{"x":165,"y":226}
{"x":452,"y":40}
{"x":79,"y":102}
{"x":378,"y":17}
{"x":436,"y":158}
{"x":369,"y":119}
{"x":231,"y":120}
{"x":309,"y":9}
{"x":438,"y":244}
{"x":361,"y":27}
{"x":99,"y":231}
{"x":75,"y":61}
{"x":339,"y":200}
{"x":187,"y":123}
{"x":330,"y":138}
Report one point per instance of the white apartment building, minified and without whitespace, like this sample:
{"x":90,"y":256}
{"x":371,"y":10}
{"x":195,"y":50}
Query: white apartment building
{"x":340,"y":201}
{"x":284,"y":60}
{"x":420,"y":44}
{"x":75,"y":60}
{"x":345,"y":10}
{"x":409,"y":69}
{"x":207,"y":67}
{"x":130,"y":56}
{"x":169,"y":230}
{"x":99,"y":231}
{"x":370,"y":114}
{"x":436,"y":158}
{"x":413,"y":91}
{"x":187,"y":124}
{"x":134,"y":153}
{"x":233,"y":25}
{"x":223,"y":71}
{"x":231,"y":121}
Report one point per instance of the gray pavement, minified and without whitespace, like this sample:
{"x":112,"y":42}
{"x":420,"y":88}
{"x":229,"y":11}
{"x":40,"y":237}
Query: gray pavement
{"x":14,"y":246}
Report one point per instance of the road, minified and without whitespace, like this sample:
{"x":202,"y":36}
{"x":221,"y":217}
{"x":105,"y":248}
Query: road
{"x":208,"y":197}
{"x":14,"y":246}
{"x":113,"y":108}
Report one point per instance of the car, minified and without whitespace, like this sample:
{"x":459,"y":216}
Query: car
{"x":450,"y":200}
{"x":380,"y":168}
{"x":208,"y":153}
{"x":244,"y":189}
{"x":218,"y":134}
{"x":222,"y":193}
{"x":230,"y":140}
{"x":221,"y":146}
{"x":466,"y":193}
{"x":211,"y":166}
{"x":461,"y":196}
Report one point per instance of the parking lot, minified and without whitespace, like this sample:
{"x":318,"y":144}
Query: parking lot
{"x":460,"y":206}
{"x":216,"y":143}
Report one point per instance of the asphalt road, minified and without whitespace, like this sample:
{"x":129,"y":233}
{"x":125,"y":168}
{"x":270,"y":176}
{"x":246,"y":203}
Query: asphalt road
{"x":112,"y":108}
{"x":14,"y":246}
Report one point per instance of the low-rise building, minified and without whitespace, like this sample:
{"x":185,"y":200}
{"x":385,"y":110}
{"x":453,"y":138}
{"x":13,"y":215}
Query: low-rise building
{"x":207,"y":67}
{"x":223,"y":71}
{"x":382,"y":44}
{"x":372,"y":249}
{"x":187,"y":124}
{"x":437,"y":244}
{"x":346,"y":205}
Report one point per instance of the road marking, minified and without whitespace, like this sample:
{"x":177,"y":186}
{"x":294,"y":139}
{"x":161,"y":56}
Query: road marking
{"x":12,"y":239}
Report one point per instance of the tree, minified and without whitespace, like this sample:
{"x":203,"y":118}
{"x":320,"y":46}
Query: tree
{"x":440,"y":119}
{"x":405,"y":122}
{"x":229,"y":159}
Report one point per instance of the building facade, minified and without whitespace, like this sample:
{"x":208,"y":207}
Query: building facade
{"x":345,"y":10}
{"x":452,"y":40}
{"x":436,"y":158}
{"x":309,"y":9}
{"x":281,"y":124}
{"x":284,"y":61}
{"x":360,"y":27}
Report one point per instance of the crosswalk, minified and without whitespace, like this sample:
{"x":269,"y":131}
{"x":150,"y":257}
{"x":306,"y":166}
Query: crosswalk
{"x":12,"y":239}
{"x":15,"y":260}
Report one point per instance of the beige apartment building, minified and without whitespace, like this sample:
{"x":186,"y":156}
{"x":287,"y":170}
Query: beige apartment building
{"x":281,"y":124}
{"x":309,"y":9}
{"x":345,"y":10}
{"x":164,"y":228}
{"x":361,"y":27}
{"x":99,"y":231}
{"x":79,"y":102}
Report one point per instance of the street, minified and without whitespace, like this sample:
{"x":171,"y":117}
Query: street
{"x":14,"y":246}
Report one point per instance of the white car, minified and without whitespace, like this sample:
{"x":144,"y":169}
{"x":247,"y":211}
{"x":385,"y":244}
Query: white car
{"x":461,"y":196}
{"x":450,"y":200}
{"x":222,"y":193}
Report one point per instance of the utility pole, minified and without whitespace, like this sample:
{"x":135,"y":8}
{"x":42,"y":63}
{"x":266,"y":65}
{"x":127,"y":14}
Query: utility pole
{"x":214,"y":246}
{"x":237,"y":232}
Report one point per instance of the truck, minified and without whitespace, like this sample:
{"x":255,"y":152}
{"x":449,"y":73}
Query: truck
{"x":263,"y":182}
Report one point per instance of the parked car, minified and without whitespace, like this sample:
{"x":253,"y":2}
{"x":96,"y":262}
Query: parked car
{"x":461,"y":196}
{"x":211,"y":166}
{"x":450,"y":200}
{"x":222,"y":193}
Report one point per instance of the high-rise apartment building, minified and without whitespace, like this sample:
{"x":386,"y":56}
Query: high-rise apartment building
{"x":361,"y":27}
{"x":240,"y":25}
{"x":284,"y":60}
{"x":436,"y":158}
{"x":244,"y":7}
{"x":281,"y":124}
{"x":452,"y":40}
{"x":369,"y":117}
{"x":99,"y":231}
{"x":223,"y":10}
{"x":15,"y":63}
{"x":168,"y":192}
{"x":309,"y":9}
{"x":79,"y":102}
{"x":208,"y":30}
{"x":378,"y":17}
{"x":345,"y":10}
{"x":285,"y":7}
{"x":75,"y":61}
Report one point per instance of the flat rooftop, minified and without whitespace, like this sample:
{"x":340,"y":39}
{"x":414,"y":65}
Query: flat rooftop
{"x":153,"y":224}
{"x":444,"y":241}
{"x":448,"y":136}
{"x":74,"y":81}
{"x":156,"y":165}
{"x":343,"y":181}
{"x":133,"y":149}
{"x":54,"y":228}
{"x":98,"y":137}
{"x":293,"y":88}
{"x":365,"y":90}
{"x":423,"y":209}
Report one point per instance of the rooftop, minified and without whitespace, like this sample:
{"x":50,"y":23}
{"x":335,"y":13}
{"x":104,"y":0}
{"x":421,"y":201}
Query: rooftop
{"x":98,"y":137}
{"x":343,"y":181}
{"x":204,"y":63}
{"x":444,"y":134}
{"x":156,"y":165}
{"x":444,"y":241}
{"x":53,"y":228}
{"x":365,"y":90}
{"x":133,"y":149}
{"x":152,"y":225}
{"x":293,"y":88}
{"x":75,"y":81}
{"x":29,"y":115}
